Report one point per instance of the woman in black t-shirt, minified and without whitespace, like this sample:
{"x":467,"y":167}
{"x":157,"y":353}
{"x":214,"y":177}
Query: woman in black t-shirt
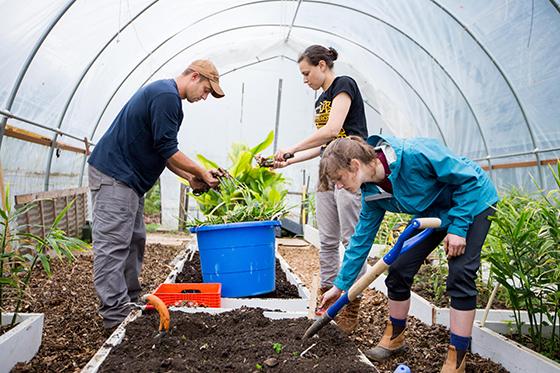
{"x":339,"y":112}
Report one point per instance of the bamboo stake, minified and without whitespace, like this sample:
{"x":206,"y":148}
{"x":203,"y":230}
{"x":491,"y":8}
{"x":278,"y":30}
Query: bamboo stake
{"x":489,"y":304}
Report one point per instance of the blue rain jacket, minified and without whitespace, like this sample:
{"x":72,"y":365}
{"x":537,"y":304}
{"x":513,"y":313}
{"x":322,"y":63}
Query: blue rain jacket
{"x":428,"y":181}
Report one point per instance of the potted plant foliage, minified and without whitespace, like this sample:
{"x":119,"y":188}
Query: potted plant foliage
{"x":236,"y":238}
{"x":21,"y":254}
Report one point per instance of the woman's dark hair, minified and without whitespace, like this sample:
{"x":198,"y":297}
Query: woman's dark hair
{"x":316,"y":53}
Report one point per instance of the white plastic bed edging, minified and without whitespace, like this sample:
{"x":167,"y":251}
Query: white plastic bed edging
{"x":97,"y":360}
{"x":179,"y":261}
{"x":22,"y":342}
{"x":281,"y":304}
{"x":514,"y":357}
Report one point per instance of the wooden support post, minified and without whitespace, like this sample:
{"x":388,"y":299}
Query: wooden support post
{"x":41,"y":214}
{"x":76,"y":222}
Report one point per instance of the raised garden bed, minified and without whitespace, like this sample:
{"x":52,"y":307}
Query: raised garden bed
{"x":427,"y":344}
{"x":72,"y":331}
{"x":244,"y":339}
{"x":20,"y":343}
{"x":290,"y":294}
{"x":490,"y":341}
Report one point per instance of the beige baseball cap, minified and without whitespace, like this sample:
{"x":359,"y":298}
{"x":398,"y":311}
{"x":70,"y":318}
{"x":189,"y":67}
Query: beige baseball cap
{"x":207,"y":69}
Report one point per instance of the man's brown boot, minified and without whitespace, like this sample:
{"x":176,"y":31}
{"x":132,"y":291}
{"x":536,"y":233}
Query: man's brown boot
{"x":387,"y":346}
{"x":347,"y":319}
{"x":452,"y":364}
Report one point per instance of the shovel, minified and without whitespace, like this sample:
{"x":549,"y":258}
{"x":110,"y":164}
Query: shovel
{"x":402,"y":245}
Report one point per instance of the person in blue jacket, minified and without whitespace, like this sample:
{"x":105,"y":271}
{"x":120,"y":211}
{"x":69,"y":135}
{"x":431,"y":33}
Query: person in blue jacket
{"x":423,"y":178}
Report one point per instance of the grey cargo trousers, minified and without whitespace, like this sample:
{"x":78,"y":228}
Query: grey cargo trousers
{"x":119,"y":238}
{"x":337,"y":215}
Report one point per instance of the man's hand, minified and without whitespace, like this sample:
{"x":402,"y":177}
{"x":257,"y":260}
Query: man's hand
{"x":210,"y":179}
{"x":454,"y":245}
{"x":198,"y":185}
{"x":330,"y":297}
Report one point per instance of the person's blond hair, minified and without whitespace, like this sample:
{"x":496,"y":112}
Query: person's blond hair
{"x":340,"y":152}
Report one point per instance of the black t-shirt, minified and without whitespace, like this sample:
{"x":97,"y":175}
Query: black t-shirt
{"x":136,"y":147}
{"x":355,"y":122}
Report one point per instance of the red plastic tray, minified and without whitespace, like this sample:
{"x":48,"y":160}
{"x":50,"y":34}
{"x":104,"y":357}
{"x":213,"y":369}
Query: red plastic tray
{"x":190,"y":294}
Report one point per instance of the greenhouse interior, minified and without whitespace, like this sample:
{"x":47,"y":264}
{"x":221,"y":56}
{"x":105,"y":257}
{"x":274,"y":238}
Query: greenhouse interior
{"x":280,"y":185}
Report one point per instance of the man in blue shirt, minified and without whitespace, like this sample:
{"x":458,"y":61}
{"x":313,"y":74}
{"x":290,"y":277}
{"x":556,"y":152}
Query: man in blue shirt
{"x":124,"y":165}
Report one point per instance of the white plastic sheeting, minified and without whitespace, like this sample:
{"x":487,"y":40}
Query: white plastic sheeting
{"x":482,"y":76}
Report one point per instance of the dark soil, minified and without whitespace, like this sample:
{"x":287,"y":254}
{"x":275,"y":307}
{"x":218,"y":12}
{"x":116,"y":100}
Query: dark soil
{"x":427,"y":345}
{"x":549,"y":350}
{"x":192,"y":273}
{"x":72,"y":331}
{"x":236,"y":341}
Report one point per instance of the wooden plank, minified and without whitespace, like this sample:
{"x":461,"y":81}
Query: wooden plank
{"x":26,"y":198}
{"x":543,"y":162}
{"x":25,"y":135}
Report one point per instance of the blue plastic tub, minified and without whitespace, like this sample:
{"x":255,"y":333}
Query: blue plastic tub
{"x":241,"y":256}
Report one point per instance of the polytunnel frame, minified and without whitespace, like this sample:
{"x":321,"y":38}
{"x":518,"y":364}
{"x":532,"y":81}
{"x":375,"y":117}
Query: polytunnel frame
{"x":59,"y":15}
{"x":391,"y":26}
{"x":27,"y":63}
{"x":245,"y":27}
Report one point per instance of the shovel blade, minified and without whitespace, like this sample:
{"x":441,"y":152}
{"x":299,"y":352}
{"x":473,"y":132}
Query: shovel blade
{"x":317,"y":325}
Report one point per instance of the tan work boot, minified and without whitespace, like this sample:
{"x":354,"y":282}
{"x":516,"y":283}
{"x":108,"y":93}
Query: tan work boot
{"x":387,"y":346}
{"x":347,"y":319}
{"x":451,"y":364}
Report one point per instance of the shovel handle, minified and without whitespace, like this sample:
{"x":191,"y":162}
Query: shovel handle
{"x":364,"y":281}
{"x":428,"y":223}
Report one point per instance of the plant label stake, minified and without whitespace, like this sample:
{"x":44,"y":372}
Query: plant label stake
{"x":402,"y":245}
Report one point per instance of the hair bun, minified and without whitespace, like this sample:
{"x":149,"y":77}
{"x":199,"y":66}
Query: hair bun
{"x":333,"y":53}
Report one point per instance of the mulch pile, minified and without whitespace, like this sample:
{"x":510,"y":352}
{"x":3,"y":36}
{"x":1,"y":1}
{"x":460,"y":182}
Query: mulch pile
{"x":72,"y":331}
{"x":242,"y":340}
{"x":191,"y":273}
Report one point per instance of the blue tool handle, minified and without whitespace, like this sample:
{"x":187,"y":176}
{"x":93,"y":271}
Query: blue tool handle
{"x":387,"y":260}
{"x":337,"y":306}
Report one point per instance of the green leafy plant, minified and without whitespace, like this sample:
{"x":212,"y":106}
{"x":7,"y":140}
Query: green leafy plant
{"x":525,"y":255}
{"x":21,"y":253}
{"x":252,"y":193}
{"x":258,"y":366}
{"x":152,"y":201}
{"x":391,"y":226}
{"x":277,"y":347}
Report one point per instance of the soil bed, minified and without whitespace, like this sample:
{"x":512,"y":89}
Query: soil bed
{"x":427,"y":345}
{"x":72,"y":331}
{"x":191,"y":273}
{"x":242,"y":340}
